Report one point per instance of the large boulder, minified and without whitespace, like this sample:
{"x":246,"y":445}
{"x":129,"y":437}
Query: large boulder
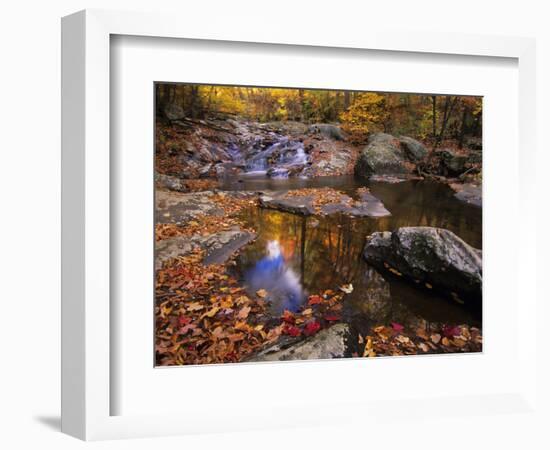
{"x":414,"y":150}
{"x":432,"y":257}
{"x":382,"y":155}
{"x":326,"y":344}
{"x":328,"y":130}
{"x":451,"y":162}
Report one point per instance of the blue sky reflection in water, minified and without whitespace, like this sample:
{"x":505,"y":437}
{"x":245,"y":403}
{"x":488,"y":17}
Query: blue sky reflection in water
{"x":274,"y":274}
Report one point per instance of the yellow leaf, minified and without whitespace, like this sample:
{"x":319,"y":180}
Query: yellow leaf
{"x":262,"y":293}
{"x":369,"y":352}
{"x":211,"y":313}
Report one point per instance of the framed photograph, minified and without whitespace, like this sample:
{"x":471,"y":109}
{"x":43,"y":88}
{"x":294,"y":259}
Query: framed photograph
{"x":249,"y":218}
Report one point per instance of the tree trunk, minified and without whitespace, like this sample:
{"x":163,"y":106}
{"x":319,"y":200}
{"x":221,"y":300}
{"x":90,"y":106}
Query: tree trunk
{"x":434,"y":113}
{"x":462,"y":128}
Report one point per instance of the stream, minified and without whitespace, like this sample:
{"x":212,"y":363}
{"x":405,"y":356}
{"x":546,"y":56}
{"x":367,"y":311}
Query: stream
{"x":295,"y":256}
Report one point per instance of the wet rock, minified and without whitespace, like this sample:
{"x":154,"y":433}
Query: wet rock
{"x":289,"y":128}
{"x":204,"y":170}
{"x":170,"y":182}
{"x":469,"y":193}
{"x":367,"y":206}
{"x":452,"y":163}
{"x":219,"y":247}
{"x":296,"y":204}
{"x":326,"y":344}
{"x":372,"y":206}
{"x":428,"y":255}
{"x":177,"y":208}
{"x":414,"y":150}
{"x":382,"y":155}
{"x":327,"y":130}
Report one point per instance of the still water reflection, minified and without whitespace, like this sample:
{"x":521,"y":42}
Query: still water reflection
{"x":295,"y":256}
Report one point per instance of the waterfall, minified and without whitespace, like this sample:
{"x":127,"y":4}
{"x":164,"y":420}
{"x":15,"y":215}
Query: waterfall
{"x":278,"y":160}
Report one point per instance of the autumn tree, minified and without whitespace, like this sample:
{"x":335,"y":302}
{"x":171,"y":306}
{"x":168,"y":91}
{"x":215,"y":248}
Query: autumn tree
{"x":367,"y":114}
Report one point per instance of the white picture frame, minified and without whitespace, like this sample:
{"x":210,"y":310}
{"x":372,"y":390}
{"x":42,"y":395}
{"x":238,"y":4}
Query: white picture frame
{"x":87,"y":386}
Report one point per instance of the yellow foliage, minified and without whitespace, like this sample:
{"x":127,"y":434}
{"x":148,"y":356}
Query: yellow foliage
{"x":367,"y":114}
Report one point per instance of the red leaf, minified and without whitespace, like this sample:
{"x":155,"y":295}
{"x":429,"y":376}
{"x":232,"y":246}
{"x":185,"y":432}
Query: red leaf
{"x":288,"y":317}
{"x":397,"y":326}
{"x":332,"y":318}
{"x":449,"y":331}
{"x":314,"y":300}
{"x":183,"y":320}
{"x":312,"y":328}
{"x":292,"y":330}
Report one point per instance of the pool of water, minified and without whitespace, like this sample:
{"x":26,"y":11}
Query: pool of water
{"x":294,"y":256}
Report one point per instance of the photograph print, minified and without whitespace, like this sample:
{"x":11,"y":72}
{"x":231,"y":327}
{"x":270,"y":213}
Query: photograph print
{"x":297,"y":224}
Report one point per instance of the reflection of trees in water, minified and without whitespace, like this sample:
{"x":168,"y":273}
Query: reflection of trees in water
{"x":327,"y":251}
{"x":429,"y":204}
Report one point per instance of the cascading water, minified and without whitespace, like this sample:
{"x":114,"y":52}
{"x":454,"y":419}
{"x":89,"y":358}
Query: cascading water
{"x":279,"y":159}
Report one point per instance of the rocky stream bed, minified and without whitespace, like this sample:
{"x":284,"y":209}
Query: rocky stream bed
{"x":283,"y":241}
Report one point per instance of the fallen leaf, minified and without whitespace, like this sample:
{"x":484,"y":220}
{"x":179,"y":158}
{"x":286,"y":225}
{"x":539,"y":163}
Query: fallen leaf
{"x":332,"y":318}
{"x":183,"y":320}
{"x":436,"y":337}
{"x":314,"y":300}
{"x":196,"y":306}
{"x":262,"y":293}
{"x":348,"y":289}
{"x":307,"y":312}
{"x":243,"y":313}
{"x":423,"y":347}
{"x":291,"y":330}
{"x":369,"y":351}
{"x":288,"y":317}
{"x":449,"y":331}
{"x":311,"y":328}
{"x":421,"y":333}
{"x":459,"y":342}
{"x":445,"y":341}
{"x":402,"y":339}
{"x":211,"y":313}
{"x":397,"y":326}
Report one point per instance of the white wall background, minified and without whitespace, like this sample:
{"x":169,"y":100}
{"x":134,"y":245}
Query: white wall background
{"x":30,"y":194}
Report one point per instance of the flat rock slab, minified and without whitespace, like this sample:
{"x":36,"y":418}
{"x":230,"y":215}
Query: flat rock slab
{"x":179,"y":208}
{"x":367,"y":206}
{"x":297,"y":204}
{"x":469,"y":193}
{"x":326,"y":344}
{"x":219,"y":247}
{"x":372,"y":206}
